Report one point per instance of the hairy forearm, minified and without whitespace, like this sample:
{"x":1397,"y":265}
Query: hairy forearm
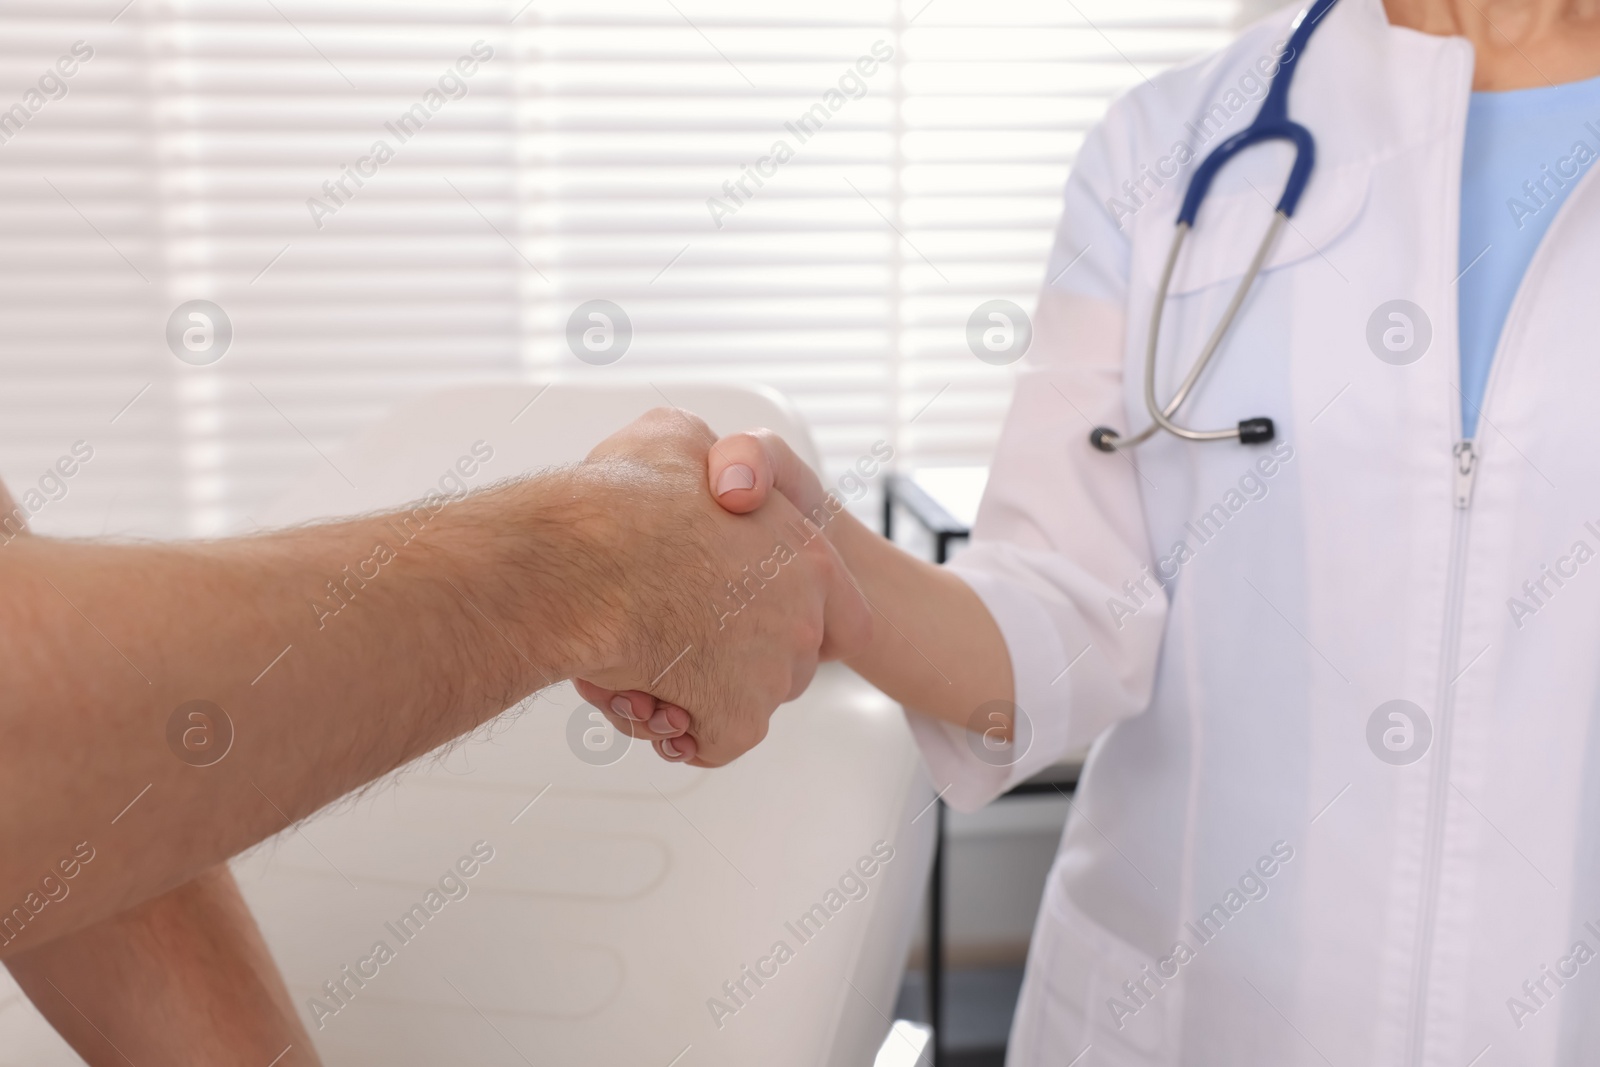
{"x":327,"y":656}
{"x":335,"y":661}
{"x":937,"y":649}
{"x":184,"y":978}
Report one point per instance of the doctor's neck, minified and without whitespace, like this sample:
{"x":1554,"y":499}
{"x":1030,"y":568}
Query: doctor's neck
{"x":1520,"y":44}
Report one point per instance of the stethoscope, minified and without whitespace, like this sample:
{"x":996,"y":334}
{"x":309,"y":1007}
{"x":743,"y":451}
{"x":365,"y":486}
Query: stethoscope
{"x":1272,"y":123}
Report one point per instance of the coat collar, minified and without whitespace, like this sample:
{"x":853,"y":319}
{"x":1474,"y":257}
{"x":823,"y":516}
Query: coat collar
{"x":1369,"y":90}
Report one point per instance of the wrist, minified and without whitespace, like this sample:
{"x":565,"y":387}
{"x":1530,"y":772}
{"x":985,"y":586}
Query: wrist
{"x":542,"y":571}
{"x":858,"y":544}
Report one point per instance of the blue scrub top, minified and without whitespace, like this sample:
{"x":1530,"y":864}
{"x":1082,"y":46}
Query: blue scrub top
{"x":1525,"y":151}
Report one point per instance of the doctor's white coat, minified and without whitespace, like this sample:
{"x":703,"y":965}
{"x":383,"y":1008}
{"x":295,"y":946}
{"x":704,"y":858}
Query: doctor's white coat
{"x":1343,"y":804}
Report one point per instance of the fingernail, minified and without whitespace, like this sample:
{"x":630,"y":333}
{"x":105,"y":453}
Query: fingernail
{"x":671,"y":750}
{"x":624,"y":707}
{"x":660,"y":724}
{"x":736,"y":476}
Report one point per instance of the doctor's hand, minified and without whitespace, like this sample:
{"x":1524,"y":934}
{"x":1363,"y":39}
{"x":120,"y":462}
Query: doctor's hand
{"x":744,"y":469}
{"x":706,"y":654}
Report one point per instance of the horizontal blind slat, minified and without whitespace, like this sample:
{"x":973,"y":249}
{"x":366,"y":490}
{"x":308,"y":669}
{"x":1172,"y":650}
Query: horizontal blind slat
{"x":602,"y":151}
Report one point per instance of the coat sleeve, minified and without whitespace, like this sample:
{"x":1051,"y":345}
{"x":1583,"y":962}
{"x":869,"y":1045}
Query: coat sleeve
{"x":1060,"y":529}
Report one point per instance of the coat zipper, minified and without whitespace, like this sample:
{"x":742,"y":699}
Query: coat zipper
{"x":1466,"y":457}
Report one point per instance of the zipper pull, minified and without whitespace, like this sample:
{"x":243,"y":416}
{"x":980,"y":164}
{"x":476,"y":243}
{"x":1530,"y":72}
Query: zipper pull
{"x":1466,"y":469}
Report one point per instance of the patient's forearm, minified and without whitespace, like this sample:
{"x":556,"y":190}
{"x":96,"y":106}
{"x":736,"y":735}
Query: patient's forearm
{"x":163,"y":707}
{"x":184,"y":978}
{"x":328,"y":679}
{"x":936,"y":649}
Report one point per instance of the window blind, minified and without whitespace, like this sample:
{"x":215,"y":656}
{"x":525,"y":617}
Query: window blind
{"x":817,"y":196}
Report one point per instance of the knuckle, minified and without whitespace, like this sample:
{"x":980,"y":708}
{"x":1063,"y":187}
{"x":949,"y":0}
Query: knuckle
{"x":775,"y":450}
{"x":809,"y":634}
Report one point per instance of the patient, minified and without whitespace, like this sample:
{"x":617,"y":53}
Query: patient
{"x":117,"y":914}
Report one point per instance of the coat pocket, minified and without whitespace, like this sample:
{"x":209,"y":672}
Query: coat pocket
{"x":1075,"y":997}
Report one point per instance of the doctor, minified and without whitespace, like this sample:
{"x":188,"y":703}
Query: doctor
{"x":1342,"y":685}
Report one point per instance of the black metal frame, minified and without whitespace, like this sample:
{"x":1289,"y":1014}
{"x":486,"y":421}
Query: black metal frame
{"x":929,"y":513}
{"x":945,"y":528}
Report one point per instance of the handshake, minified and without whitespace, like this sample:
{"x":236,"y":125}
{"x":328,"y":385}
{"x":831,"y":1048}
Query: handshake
{"x":687,"y":585}
{"x":717,"y":593}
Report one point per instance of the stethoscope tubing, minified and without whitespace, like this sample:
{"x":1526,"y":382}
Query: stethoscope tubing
{"x":1271,"y":123}
{"x":1161,"y":416}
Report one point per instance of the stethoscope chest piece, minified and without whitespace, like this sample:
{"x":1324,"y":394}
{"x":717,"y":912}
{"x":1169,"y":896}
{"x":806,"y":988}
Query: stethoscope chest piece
{"x":1256,"y":431}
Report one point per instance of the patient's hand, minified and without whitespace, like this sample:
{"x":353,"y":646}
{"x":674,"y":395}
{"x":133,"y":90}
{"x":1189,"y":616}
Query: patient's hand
{"x":743,"y":470}
{"x":742,"y":656}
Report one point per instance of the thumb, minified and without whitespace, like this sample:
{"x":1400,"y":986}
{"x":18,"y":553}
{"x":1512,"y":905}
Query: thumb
{"x":744,"y":468}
